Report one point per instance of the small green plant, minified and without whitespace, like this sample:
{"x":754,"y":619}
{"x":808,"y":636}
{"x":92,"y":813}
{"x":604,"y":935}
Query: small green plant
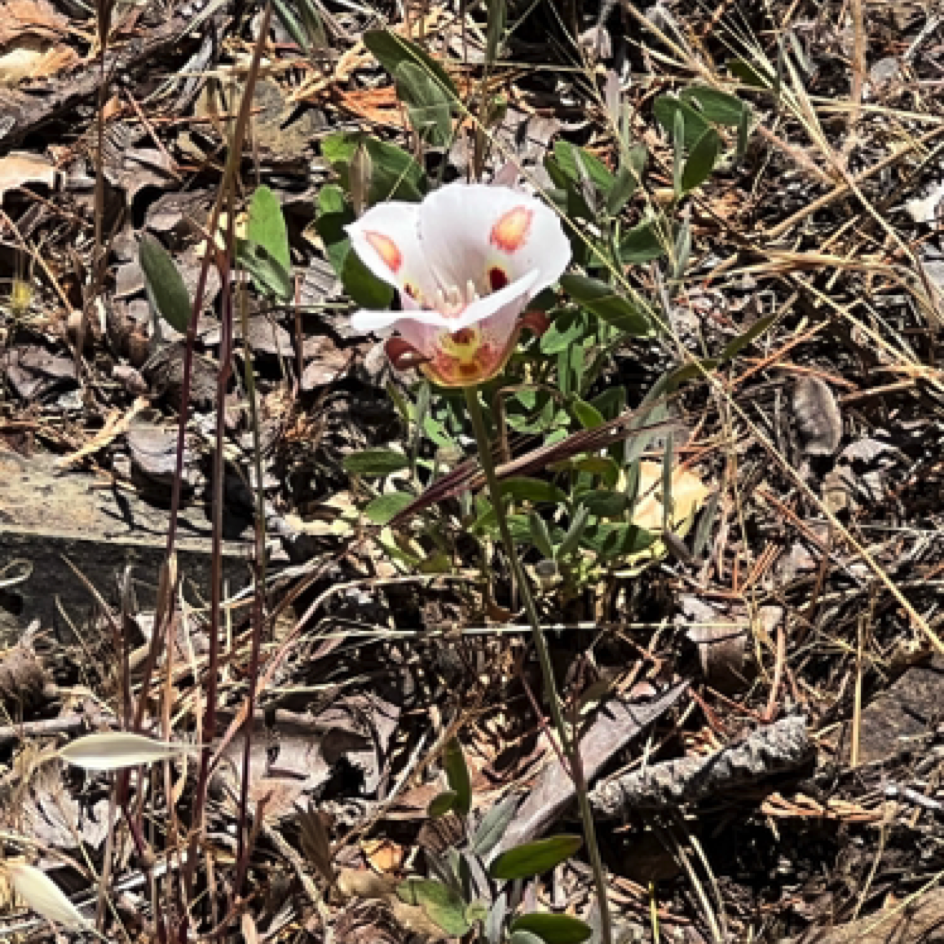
{"x":473,"y":889}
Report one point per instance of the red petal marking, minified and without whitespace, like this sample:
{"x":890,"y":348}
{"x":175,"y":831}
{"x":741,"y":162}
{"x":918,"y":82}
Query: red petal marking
{"x":464,"y":336}
{"x":497,"y":278}
{"x":387,"y":249}
{"x":511,"y":230}
{"x":535,"y":321}
{"x":403,"y":355}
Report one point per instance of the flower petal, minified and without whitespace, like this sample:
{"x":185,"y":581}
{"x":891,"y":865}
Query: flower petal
{"x":479,"y":351}
{"x":386,"y":238}
{"x":492,"y":236}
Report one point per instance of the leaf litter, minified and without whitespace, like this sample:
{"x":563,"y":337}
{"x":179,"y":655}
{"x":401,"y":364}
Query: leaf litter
{"x":734,"y":601}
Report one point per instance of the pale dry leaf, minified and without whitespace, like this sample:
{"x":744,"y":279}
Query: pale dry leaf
{"x":817,"y":415}
{"x":20,"y":168}
{"x":116,"y":750}
{"x":44,"y":896}
{"x":688,"y":495}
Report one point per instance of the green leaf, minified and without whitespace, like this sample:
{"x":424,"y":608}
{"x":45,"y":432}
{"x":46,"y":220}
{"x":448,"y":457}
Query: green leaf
{"x":394,"y":173}
{"x":567,"y":328}
{"x":386,"y":507}
{"x":165,"y":285}
{"x":522,"y":488}
{"x":716,"y":106}
{"x":392,"y":50}
{"x":750,"y":74}
{"x":493,"y":826}
{"x":627,"y":179}
{"x":534,"y":858}
{"x":603,"y":503}
{"x":497,"y":16}
{"x":524,"y":937}
{"x":701,"y":160}
{"x":733,"y":348}
{"x":442,"y":904}
{"x":643,"y":243}
{"x":553,"y":928}
{"x":427,"y":103}
{"x":267,"y":227}
{"x":375,"y":462}
{"x":477,"y":912}
{"x":600,"y":299}
{"x":589,"y":417}
{"x":744,"y":132}
{"x":441,"y":804}
{"x":569,"y":157}
{"x":270,"y":276}
{"x":457,"y":775}
{"x":574,"y":533}
{"x":603,"y":466}
{"x":540,"y":536}
{"x":617,"y":540}
{"x":665,"y":109}
{"x":358,"y":281}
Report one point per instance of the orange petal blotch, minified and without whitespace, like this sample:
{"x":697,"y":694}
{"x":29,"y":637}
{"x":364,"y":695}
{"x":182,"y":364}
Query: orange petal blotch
{"x":387,"y":249}
{"x":511,"y":230}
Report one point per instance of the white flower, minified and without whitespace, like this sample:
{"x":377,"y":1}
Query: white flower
{"x":466,"y":261}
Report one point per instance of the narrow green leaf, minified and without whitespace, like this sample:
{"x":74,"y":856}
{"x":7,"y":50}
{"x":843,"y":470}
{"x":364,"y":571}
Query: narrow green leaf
{"x":600,"y":299}
{"x":427,"y":103}
{"x":567,"y":328}
{"x":553,"y":928}
{"x":165,"y":285}
{"x":375,"y":462}
{"x":391,"y":50}
{"x":627,"y":179}
{"x":493,"y":826}
{"x":267,"y":226}
{"x":716,"y":106}
{"x":534,"y":858}
{"x":540,"y":536}
{"x":457,"y":775}
{"x":733,"y":348}
{"x":386,"y":507}
{"x":750,"y":74}
{"x":522,"y":488}
{"x":442,"y":904}
{"x":665,"y":109}
{"x":678,"y":150}
{"x":441,"y":804}
{"x":574,"y":533}
{"x":643,"y":243}
{"x":701,"y":160}
{"x":497,"y":15}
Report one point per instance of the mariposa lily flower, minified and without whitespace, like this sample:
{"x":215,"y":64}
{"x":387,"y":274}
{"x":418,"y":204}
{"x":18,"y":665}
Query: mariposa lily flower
{"x":466,"y":261}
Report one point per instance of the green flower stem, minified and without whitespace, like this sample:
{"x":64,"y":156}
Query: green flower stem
{"x":569,"y":748}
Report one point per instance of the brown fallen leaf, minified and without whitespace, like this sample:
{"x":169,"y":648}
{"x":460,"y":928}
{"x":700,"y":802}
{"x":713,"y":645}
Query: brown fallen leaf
{"x":688,"y":495}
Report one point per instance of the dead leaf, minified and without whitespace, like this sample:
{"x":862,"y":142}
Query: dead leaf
{"x":818,"y":420}
{"x":19,"y":168}
{"x":688,"y":495}
{"x":383,"y":855}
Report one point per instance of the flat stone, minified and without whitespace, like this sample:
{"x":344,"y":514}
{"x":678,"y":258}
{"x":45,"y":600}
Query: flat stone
{"x":48,"y":515}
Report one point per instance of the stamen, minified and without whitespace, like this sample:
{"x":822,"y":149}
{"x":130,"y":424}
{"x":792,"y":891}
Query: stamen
{"x":471,"y":295}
